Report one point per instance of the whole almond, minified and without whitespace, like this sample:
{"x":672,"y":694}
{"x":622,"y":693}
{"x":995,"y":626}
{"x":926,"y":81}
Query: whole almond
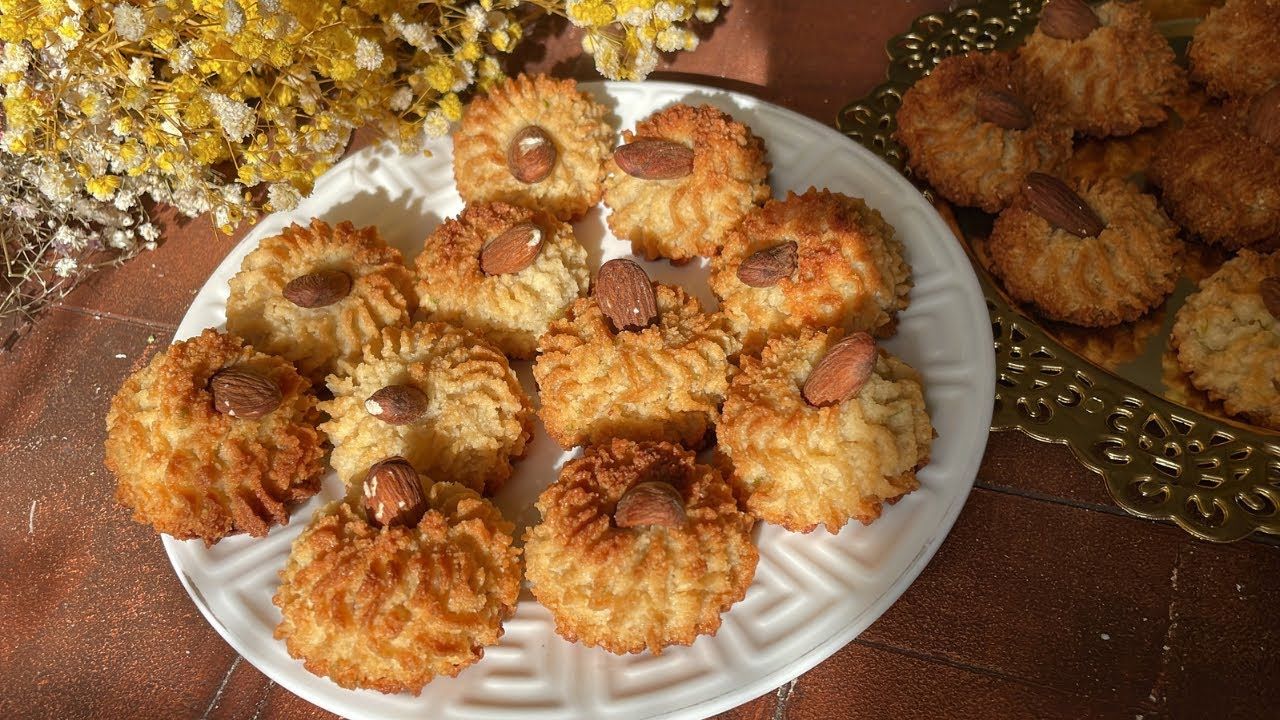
{"x":1270,"y":291}
{"x":654,"y":159}
{"x":397,"y":404}
{"x":1003,"y":109}
{"x":651,"y":503}
{"x":1264,"y":117}
{"x":1053,"y":200}
{"x":531,"y":155}
{"x":768,"y":267}
{"x":842,"y":372}
{"x":625,"y":295}
{"x":243,"y":393}
{"x":1068,"y":19}
{"x":317,"y":289}
{"x":393,"y":495}
{"x":512,"y":251}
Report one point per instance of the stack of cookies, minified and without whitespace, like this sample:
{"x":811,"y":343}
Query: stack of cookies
{"x":1112,"y":176}
{"x":693,"y":423}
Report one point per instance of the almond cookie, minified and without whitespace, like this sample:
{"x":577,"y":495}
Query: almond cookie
{"x":1219,"y":175}
{"x":816,"y":260}
{"x":662,"y":377}
{"x":389,"y":606}
{"x":683,"y":178}
{"x":1104,"y":70}
{"x":818,"y":431}
{"x":640,"y":547}
{"x":1227,"y":336}
{"x":969,"y":130}
{"x":314,"y":295}
{"x":213,"y":438}
{"x":503,"y":272}
{"x":1095,"y":253}
{"x":437,"y":395}
{"x":1236,"y":50}
{"x":533,"y":141}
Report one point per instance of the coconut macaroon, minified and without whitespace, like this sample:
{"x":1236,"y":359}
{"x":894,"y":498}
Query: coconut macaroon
{"x":503,"y":272}
{"x":681,"y":179}
{"x":390,"y":604}
{"x":817,"y":260}
{"x":437,"y":395}
{"x":1227,"y":336}
{"x":819,"y":430}
{"x":1219,"y":175}
{"x":636,"y":360}
{"x":1103,"y":71}
{"x":1235,"y":50}
{"x":313,"y":295}
{"x":639,"y":547}
{"x":534,"y":141}
{"x":213,"y":438}
{"x":1094,"y":253}
{"x":969,"y":130}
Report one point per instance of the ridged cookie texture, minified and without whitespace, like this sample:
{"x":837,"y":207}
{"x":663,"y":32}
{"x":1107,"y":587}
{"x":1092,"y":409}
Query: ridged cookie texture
{"x":1235,"y":50}
{"x":645,"y":587}
{"x":801,"y":466}
{"x":972,"y":161}
{"x":330,"y":338}
{"x":192,"y":471}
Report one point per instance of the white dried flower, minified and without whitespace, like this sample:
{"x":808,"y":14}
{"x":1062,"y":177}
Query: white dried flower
{"x":183,"y":60}
{"x":401,"y":99}
{"x":269,"y":6}
{"x":140,"y":71}
{"x":131,"y":22}
{"x":237,"y":119}
{"x":707,"y":13}
{"x":68,"y":240}
{"x":149,"y":232}
{"x":283,"y":196}
{"x":669,"y":12}
{"x":368,"y":54}
{"x":65,"y":267}
{"x":466,"y":76}
{"x":644,"y":63}
{"x":416,"y":34}
{"x":636,"y":17}
{"x":477,"y":20}
{"x":233,"y":16}
{"x":435,"y":123}
{"x":16,"y":58}
{"x":120,"y":240}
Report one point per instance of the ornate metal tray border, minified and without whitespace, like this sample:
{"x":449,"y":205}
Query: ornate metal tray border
{"x":1217,"y":480}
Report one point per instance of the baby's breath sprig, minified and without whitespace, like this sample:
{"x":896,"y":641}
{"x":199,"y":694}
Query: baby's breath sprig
{"x":625,"y":36}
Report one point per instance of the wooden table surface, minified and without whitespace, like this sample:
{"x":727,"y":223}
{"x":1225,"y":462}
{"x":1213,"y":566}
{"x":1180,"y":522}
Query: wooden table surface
{"x":1046,"y":601}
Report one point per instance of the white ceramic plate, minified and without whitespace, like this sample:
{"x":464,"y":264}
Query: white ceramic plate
{"x":812,"y":593}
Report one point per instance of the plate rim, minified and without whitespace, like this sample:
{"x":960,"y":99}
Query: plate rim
{"x":738,"y":695}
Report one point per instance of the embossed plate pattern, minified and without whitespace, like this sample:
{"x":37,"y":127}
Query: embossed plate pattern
{"x":812,"y":593}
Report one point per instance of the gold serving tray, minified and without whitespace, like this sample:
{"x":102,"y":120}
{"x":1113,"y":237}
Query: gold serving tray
{"x":1216,"y":478}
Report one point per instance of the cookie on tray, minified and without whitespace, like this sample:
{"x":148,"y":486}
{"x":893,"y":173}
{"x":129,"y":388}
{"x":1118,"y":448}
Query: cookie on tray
{"x":213,"y":438}
{"x":1235,"y":50}
{"x":822,"y":429}
{"x":437,"y":395}
{"x":1219,"y":175}
{"x":1104,"y":70}
{"x":314,"y":295}
{"x":681,"y":179}
{"x":815,"y":260}
{"x":639,"y":547}
{"x":502,"y":271}
{"x":1094,"y":253}
{"x":636,"y":360}
{"x":969,"y":130}
{"x":1227,"y":335}
{"x":534,"y":141}
{"x":388,"y":600}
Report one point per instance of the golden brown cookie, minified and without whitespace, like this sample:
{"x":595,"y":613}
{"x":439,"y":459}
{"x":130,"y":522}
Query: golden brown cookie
{"x":663,"y":382}
{"x":1178,"y":387}
{"x":456,"y":410}
{"x":799,"y":465}
{"x":692,"y":173}
{"x":1227,"y":336}
{"x":1119,"y":77}
{"x":534,"y":141}
{"x":815,"y":260}
{"x":390,"y":608}
{"x":1236,"y":50}
{"x":639,"y":547}
{"x":970,"y":132}
{"x":213,"y":438}
{"x":1103,"y":278}
{"x":315,"y":295}
{"x":1220,"y":179}
{"x":503,"y":272}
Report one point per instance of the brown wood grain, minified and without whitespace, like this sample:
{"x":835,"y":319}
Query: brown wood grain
{"x":1046,"y":601}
